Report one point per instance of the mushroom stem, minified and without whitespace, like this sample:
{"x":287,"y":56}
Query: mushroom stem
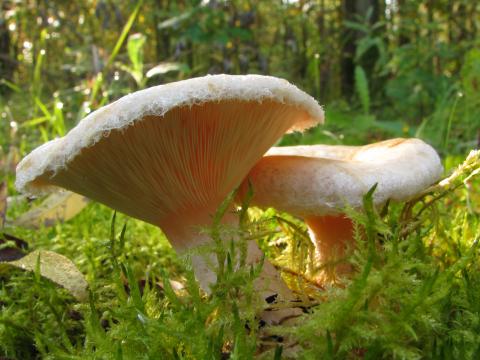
{"x":331,"y":236}
{"x":184,"y":236}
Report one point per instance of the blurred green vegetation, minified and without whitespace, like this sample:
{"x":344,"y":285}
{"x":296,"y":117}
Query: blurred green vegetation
{"x":381,"y":69}
{"x":386,"y":68}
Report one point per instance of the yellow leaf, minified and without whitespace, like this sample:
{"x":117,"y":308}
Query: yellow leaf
{"x":56,"y":268}
{"x":58,"y":207}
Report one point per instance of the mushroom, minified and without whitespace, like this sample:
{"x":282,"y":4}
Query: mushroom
{"x":169,"y":155}
{"x":316,"y":182}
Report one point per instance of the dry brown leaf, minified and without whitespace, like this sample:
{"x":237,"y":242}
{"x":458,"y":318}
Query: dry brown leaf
{"x":57,"y":207}
{"x":56,"y":268}
{"x":11,"y":247}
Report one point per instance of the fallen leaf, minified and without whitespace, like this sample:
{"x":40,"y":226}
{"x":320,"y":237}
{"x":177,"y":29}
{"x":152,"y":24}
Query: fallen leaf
{"x":56,"y":268}
{"x":177,"y":287}
{"x":57,"y":207}
{"x":11,"y":247}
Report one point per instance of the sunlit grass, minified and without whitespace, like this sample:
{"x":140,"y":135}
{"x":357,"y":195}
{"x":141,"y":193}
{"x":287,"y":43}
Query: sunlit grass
{"x":413,"y":292}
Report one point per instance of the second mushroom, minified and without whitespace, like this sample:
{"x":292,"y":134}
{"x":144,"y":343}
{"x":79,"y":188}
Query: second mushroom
{"x":317,"y":182}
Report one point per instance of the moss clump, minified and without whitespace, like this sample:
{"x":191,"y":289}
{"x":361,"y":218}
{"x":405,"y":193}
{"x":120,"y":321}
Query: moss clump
{"x":414,"y":292}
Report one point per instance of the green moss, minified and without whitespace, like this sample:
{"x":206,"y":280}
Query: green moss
{"x":414,"y":292}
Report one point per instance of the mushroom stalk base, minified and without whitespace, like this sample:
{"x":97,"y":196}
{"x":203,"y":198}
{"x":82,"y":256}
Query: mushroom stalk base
{"x":331,"y":236}
{"x":269,"y":284}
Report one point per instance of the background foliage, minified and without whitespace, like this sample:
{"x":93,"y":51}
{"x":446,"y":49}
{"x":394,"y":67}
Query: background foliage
{"x":393,"y":67}
{"x":381,"y":68}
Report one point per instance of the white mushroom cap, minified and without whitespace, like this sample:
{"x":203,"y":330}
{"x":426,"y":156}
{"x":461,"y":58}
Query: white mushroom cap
{"x":170,"y":155}
{"x":171,"y":150}
{"x":321,"y":179}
